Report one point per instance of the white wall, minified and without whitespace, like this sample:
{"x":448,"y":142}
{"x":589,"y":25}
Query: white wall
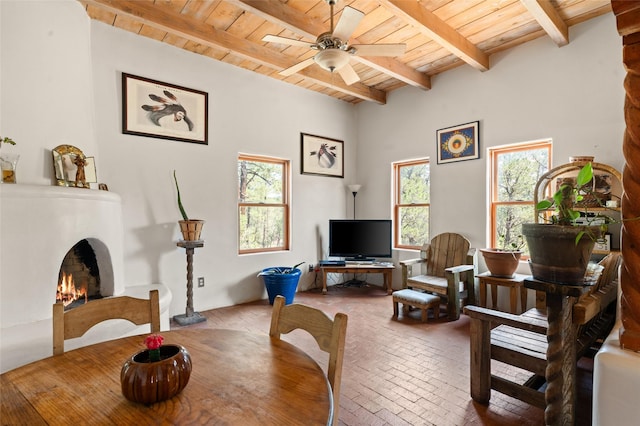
{"x":573,"y":95}
{"x":45,"y":82}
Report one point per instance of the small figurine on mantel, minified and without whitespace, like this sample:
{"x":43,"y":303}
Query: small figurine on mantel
{"x":80,"y":162}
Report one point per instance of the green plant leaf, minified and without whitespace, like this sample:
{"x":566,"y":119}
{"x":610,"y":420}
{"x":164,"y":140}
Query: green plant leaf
{"x":184,"y":214}
{"x":579,"y":236}
{"x":543,"y":205}
{"x":585,"y":175}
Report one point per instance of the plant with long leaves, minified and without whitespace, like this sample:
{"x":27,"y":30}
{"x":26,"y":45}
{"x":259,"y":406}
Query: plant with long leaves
{"x":184,"y":214}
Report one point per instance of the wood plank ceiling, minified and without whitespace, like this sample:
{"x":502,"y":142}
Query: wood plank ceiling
{"x":439,"y":34}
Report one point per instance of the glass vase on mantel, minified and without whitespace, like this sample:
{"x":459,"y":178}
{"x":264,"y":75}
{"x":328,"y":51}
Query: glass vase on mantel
{"x":8,"y":163}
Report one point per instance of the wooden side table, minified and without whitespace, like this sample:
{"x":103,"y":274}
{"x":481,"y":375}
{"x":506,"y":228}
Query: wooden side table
{"x":560,"y":394}
{"x":190,"y":317}
{"x":514,"y":284}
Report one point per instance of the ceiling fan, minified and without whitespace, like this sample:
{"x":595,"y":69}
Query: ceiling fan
{"x":333,"y":48}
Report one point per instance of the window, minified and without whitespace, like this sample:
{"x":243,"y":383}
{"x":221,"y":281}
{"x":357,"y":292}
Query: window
{"x":515,"y":169}
{"x":263,"y":204}
{"x":411,"y":205}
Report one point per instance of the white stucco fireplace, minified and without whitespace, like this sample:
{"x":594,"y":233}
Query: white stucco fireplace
{"x":38,"y":226}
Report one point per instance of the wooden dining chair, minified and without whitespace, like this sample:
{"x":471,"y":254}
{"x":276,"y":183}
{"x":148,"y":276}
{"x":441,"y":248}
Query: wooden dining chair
{"x":77,"y":321}
{"x":329,"y":334}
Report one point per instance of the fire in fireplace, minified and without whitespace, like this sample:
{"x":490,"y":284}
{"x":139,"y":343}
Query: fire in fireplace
{"x":68,"y":292}
{"x":79,"y":276}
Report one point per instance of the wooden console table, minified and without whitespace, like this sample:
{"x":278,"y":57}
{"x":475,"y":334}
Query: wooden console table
{"x":560,"y":394}
{"x":386,"y":270}
{"x":514,"y":284}
{"x":190,"y":317}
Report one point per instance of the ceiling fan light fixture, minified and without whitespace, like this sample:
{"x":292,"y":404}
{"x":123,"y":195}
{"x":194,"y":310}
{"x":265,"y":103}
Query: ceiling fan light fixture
{"x":332,"y":59}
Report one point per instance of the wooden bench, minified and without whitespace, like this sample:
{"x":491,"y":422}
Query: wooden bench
{"x":417,"y":299}
{"x":521,"y":340}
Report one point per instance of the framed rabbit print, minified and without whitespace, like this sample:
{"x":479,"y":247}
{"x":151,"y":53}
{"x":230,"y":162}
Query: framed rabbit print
{"x":162,"y":110}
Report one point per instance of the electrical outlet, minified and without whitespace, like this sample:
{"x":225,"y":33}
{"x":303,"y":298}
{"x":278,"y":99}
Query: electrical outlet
{"x":200,"y":281}
{"x":311,"y":267}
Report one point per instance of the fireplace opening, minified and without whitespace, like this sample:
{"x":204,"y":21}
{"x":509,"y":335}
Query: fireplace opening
{"x":79,"y":277}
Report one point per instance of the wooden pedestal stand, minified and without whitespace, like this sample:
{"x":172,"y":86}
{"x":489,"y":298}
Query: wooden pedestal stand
{"x":190,"y":317}
{"x":560,"y":394}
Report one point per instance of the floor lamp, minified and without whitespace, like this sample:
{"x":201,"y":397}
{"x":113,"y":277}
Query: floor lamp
{"x":354,"y":190}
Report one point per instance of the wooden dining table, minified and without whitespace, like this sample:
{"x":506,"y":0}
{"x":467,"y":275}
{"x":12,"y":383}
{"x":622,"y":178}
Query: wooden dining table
{"x":238,"y":378}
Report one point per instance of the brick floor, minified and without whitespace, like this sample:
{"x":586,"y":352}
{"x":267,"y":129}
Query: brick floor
{"x":401,"y":372}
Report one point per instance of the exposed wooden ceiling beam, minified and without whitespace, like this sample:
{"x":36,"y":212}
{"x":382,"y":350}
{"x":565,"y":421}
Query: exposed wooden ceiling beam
{"x":298,"y":22}
{"x":162,"y":17}
{"x":439,"y":31}
{"x":549,"y":19}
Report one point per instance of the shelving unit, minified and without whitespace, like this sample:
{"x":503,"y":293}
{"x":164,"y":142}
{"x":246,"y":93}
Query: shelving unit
{"x":607,"y":181}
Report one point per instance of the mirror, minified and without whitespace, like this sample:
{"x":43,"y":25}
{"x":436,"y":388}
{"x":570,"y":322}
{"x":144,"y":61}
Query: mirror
{"x":69,"y":163}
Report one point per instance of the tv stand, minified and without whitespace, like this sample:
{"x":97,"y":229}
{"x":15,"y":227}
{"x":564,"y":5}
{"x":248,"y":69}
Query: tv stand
{"x":384,"y":269}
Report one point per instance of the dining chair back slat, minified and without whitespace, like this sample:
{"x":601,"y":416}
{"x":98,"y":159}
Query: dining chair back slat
{"x":329,"y":334}
{"x":77,"y":321}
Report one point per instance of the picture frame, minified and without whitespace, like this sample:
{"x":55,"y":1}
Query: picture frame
{"x":64,"y":167}
{"x":321,"y":156}
{"x":161,"y":110}
{"x":90,"y":170}
{"x":458,"y":143}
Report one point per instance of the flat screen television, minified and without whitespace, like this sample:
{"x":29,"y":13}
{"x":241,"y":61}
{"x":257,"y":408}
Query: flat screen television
{"x":360,"y":240}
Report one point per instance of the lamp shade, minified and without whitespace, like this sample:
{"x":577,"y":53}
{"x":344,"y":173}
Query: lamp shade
{"x":354,"y":188}
{"x":331,"y":59}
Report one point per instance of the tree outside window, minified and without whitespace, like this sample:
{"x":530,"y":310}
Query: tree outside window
{"x":263,"y":206}
{"x":515,"y":169}
{"x":411,"y":210}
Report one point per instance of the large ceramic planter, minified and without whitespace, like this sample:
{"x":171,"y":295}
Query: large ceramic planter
{"x":501,"y":263}
{"x":191,"y":229}
{"x":279,"y":284}
{"x":554,"y":255}
{"x":150,"y":382}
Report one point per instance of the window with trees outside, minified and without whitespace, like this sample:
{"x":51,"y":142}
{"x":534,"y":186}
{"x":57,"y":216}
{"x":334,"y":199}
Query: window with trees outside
{"x":263,"y":204}
{"x":515,"y":169}
{"x":411,"y":203}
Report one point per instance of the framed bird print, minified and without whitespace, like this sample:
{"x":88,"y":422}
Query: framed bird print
{"x":458,"y":143}
{"x":321,"y":156}
{"x":161,"y":110}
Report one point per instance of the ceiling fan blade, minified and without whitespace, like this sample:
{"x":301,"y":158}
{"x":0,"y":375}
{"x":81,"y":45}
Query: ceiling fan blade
{"x":290,"y":41}
{"x":379,"y":49}
{"x":349,"y":21}
{"x":348,"y":74}
{"x":297,"y":67}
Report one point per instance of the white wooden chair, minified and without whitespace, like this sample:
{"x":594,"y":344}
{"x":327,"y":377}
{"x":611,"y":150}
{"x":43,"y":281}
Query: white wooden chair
{"x":77,"y":321}
{"x":329,"y":334}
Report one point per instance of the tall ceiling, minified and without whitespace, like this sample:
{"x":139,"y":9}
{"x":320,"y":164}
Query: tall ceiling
{"x":439,"y":34}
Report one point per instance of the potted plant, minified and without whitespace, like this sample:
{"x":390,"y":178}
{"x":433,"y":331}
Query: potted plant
{"x":503,"y":262}
{"x":281,"y":281}
{"x":560,"y":249}
{"x":156,"y":373}
{"x":190,"y":228}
